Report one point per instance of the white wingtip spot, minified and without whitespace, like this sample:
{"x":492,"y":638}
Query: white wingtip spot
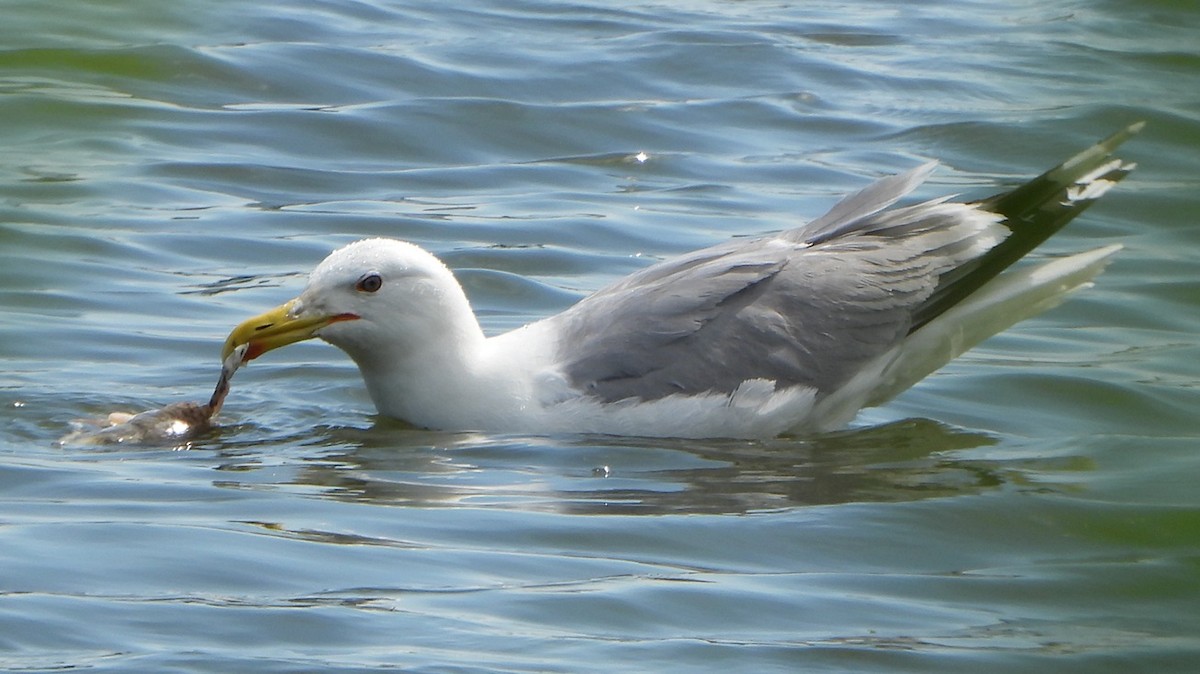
{"x":1093,"y":184}
{"x":1085,"y":191}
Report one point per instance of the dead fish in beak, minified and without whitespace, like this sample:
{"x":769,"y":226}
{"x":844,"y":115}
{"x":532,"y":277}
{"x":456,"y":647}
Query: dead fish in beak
{"x":175,"y":423}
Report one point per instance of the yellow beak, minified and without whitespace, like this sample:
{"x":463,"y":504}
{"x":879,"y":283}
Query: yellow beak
{"x":276,"y":328}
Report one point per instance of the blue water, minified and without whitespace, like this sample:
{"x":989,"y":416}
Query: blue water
{"x":169,"y":169}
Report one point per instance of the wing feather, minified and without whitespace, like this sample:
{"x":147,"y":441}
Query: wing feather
{"x":812,"y":306}
{"x":780,"y":308}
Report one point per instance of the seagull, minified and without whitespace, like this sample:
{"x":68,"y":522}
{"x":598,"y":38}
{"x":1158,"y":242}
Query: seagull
{"x":788,"y":333}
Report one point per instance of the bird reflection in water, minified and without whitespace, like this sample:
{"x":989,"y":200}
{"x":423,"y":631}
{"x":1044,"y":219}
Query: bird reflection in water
{"x":391,"y":464}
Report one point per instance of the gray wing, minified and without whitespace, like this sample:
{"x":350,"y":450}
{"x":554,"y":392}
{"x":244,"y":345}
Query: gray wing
{"x":809,"y":306}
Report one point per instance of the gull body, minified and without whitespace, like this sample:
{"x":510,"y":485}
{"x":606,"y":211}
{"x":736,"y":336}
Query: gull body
{"x":790,"y":332}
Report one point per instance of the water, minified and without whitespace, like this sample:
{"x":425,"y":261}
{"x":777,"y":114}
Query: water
{"x":169,"y":169}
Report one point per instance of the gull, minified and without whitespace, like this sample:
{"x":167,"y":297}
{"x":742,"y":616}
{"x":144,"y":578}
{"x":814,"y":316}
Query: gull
{"x":788,"y":333}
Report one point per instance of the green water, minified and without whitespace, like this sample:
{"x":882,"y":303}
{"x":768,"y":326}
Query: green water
{"x":170,"y":168}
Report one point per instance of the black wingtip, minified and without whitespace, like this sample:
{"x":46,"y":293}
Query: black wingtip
{"x":1033,"y":212}
{"x":1018,"y":204}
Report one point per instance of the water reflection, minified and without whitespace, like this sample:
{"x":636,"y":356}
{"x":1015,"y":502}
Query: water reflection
{"x":390,"y":465}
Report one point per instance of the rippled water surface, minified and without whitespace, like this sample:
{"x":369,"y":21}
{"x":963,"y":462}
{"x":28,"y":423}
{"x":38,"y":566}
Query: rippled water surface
{"x":169,"y":168}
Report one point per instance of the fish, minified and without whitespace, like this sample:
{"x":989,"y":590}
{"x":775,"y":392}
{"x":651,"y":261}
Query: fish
{"x":176,"y":423}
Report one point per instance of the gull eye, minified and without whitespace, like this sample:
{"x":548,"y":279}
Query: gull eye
{"x":369,"y":282}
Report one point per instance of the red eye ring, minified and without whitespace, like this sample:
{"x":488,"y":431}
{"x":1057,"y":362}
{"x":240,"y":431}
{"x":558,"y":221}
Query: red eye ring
{"x":369,"y":282}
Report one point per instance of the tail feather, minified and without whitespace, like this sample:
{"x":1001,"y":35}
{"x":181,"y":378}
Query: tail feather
{"x":1001,"y":303}
{"x":1033,"y":212}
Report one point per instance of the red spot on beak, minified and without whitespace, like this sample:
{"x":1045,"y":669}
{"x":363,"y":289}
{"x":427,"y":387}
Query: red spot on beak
{"x":253,"y":350}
